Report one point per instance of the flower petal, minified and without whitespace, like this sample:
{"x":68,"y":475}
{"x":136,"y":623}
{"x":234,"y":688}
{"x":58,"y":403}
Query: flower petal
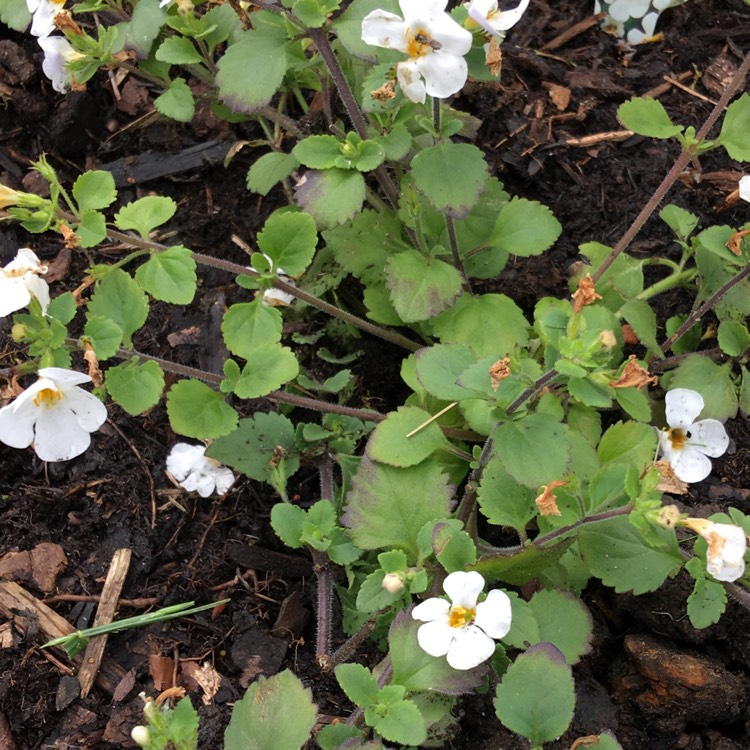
{"x":38,"y":288}
{"x":17,"y":425}
{"x":410,"y":81}
{"x":683,"y":406}
{"x":729,"y":563}
{"x":420,"y":8}
{"x":494,"y":614}
{"x":505,"y":19}
{"x":745,"y":188}
{"x":90,"y":412}
{"x":224,"y":479}
{"x":432,"y":609}
{"x":57,"y":49}
{"x":444,"y":74}
{"x":470,"y":647}
{"x":436,"y":637}
{"x":689,"y":464}
{"x":14,"y":295}
{"x":58,"y":436}
{"x":62,"y":377}
{"x":383,"y":29}
{"x":183,"y":459}
{"x":464,"y":588}
{"x":453,"y":38}
{"x":709,"y":436}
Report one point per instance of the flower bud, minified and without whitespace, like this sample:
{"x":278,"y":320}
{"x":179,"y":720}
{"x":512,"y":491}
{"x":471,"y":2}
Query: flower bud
{"x":607,"y":339}
{"x":140,"y":735}
{"x":8,"y":196}
{"x":18,"y":332}
{"x":668,"y":516}
{"x":393,"y":582}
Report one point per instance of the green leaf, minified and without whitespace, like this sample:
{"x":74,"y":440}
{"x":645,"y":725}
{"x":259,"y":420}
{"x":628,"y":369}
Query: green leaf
{"x":525,"y":228}
{"x":535,"y":697}
{"x":286,"y":520}
{"x":488,"y":323}
{"x":401,"y":722}
{"x":451,"y":176}
{"x":144,"y":27}
{"x":520,"y":567}
{"x":145,"y":214}
{"x":647,"y":116}
{"x":247,"y":326}
{"x":262,"y":719}
{"x":176,"y":102}
{"x":734,"y":338}
{"x":708,"y":599}
{"x":119,"y":298}
{"x":92,"y":229}
{"x":680,"y":221}
{"x":313,"y":13}
{"x":641,"y":317}
{"x":438,"y":368}
{"x":534,"y":450}
{"x":318,"y":151}
{"x":169,"y":276}
{"x":714,"y":382}
{"x":504,"y":501}
{"x":135,"y":387}
{"x":15,"y":15}
{"x":735,"y":129}
{"x":63,"y":308}
{"x":268,"y":368}
{"x":104,"y":335}
{"x":178,"y":50}
{"x":264,"y":54}
{"x":289,"y":240}
{"x":357,"y":682}
{"x":564,"y":621}
{"x":616,"y":552}
{"x":269,"y":170}
{"x":634,"y":402}
{"x":197,"y":411}
{"x":420,"y":287}
{"x":390,"y":445}
{"x":453,"y":547}
{"x":628,"y":443}
{"x":376,"y":514}
{"x":332,"y":196}
{"x":183,"y":724}
{"x":94,"y":190}
{"x":253,"y":448}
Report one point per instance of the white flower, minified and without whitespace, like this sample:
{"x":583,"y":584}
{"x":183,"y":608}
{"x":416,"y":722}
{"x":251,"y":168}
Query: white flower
{"x":54,"y":414}
{"x":57,"y":53}
{"x":687,"y":443}
{"x":727,"y":544}
{"x":434,"y":42}
{"x":639,"y":17}
{"x":492,"y":20}
{"x":745,"y":188}
{"x":19,"y":282}
{"x":462,"y":629}
{"x":277,"y":297}
{"x":140,"y":735}
{"x":43,"y":15}
{"x":195,"y":472}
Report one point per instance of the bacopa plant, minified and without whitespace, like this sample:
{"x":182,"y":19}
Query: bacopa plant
{"x":503,"y":423}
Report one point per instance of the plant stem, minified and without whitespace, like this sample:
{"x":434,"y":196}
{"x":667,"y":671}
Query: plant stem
{"x":670,"y":282}
{"x":455,"y":252}
{"x":682,"y":161}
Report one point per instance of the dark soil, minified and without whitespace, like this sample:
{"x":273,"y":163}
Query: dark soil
{"x":651,"y":678}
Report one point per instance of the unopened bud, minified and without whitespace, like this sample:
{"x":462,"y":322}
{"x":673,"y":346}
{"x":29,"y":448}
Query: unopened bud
{"x":607,"y":339}
{"x":393,"y":582}
{"x":8,"y":196}
{"x":140,"y":735}
{"x":18,"y":332}
{"x":668,"y":516}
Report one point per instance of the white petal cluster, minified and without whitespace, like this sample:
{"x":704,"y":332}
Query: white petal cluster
{"x":43,"y":14}
{"x":727,"y":544}
{"x":195,"y":472}
{"x":20,"y":281}
{"x":434,"y":42}
{"x":645,"y":12}
{"x":54,"y":414}
{"x":687,"y":444}
{"x":494,"y":21}
{"x":57,"y":49}
{"x":461,"y":629}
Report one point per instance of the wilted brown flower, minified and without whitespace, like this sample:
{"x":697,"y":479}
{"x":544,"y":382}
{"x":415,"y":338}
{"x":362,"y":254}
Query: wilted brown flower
{"x":633,"y":376}
{"x":499,"y":371}
{"x":547,"y":501}
{"x":585,"y":294}
{"x":669,"y":481}
{"x":385,"y":93}
{"x":494,"y":59}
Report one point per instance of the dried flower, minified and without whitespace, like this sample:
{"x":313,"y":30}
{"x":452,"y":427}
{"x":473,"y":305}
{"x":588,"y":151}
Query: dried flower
{"x":195,"y":472}
{"x":585,"y":294}
{"x":547,"y":501}
{"x":499,"y":371}
{"x":727,"y":544}
{"x":19,"y":282}
{"x":633,"y":376}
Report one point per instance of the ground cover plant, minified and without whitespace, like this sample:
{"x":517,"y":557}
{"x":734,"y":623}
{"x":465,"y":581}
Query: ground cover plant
{"x":533,"y":447}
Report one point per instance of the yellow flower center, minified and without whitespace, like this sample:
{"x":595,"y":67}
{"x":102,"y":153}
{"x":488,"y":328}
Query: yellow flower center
{"x":420,"y":44}
{"x":460,"y":616}
{"x":677,"y":438}
{"x":47,"y":397}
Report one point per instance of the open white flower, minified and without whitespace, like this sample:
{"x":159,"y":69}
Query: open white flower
{"x":461,"y":629}
{"x":434,"y":42}
{"x":687,"y":444}
{"x":195,"y":472}
{"x":54,"y":414}
{"x":745,"y":188}
{"x":19,"y":282}
{"x":727,"y":544}
{"x":491,"y":19}
{"x":57,"y":52}
{"x":43,"y":14}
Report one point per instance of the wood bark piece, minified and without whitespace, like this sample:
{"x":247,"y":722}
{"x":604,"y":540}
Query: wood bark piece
{"x":27,"y":610}
{"x":105,"y":613}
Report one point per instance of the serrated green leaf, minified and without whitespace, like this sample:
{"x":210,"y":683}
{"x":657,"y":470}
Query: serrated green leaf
{"x":289,"y":239}
{"x":503,"y":501}
{"x":733,"y":337}
{"x":262,"y":719}
{"x":104,"y":334}
{"x":94,"y":190}
{"x":438,"y":368}
{"x":143,"y":28}
{"x":269,"y":170}
{"x":331,"y":196}
{"x":535,"y":697}
{"x":628,"y":443}
{"x":647,"y":116}
{"x":401,"y":722}
{"x":357,"y":682}
{"x":15,"y":15}
{"x":249,"y":325}
{"x":135,"y":387}
{"x":680,"y":221}
{"x":286,"y":520}
{"x":169,"y":276}
{"x":268,"y":368}
{"x":62,"y":308}
{"x":197,"y":411}
{"x":178,"y":50}
{"x":118,"y":297}
{"x":708,"y":599}
{"x":390,"y":445}
{"x":641,"y":317}
{"x":92,"y":229}
{"x":451,"y":176}
{"x":525,"y":228}
{"x":420,"y":288}
{"x":520,"y":567}
{"x":564,"y":621}
{"x":735,"y":129}
{"x":453,"y":547}
{"x":318,"y":151}
{"x":177,"y":102}
{"x":376,"y":514}
{"x":634,"y":402}
{"x":145,"y":214}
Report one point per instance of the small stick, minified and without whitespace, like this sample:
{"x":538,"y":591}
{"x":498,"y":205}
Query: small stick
{"x":573,"y":31}
{"x":105,"y":613}
{"x":432,"y":419}
{"x":690,"y":91}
